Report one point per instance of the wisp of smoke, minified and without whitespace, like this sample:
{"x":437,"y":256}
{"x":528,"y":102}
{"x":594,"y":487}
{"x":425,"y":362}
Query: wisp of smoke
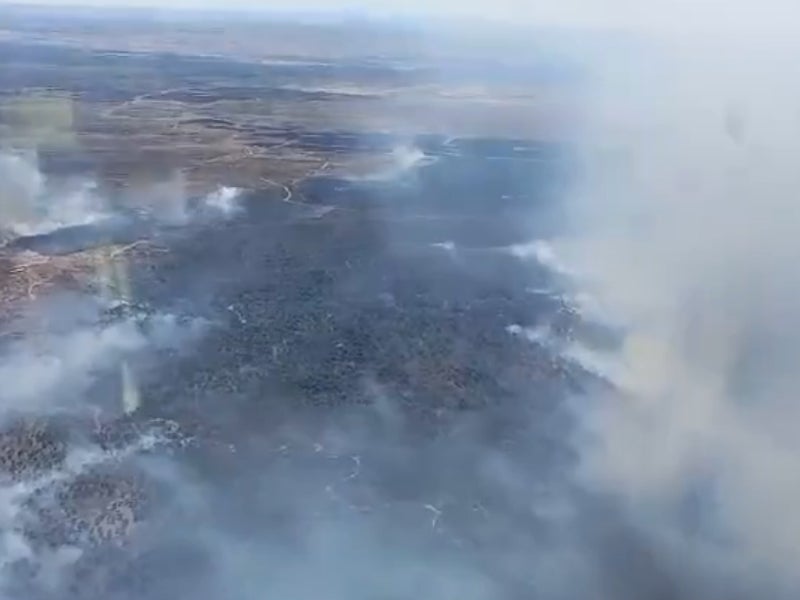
{"x":687,"y":227}
{"x":403,"y":159}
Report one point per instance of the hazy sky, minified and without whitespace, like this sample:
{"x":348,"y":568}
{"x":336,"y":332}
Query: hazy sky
{"x":674,"y":15}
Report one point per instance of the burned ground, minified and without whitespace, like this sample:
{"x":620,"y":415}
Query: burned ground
{"x":358,"y":374}
{"x":403,"y":289}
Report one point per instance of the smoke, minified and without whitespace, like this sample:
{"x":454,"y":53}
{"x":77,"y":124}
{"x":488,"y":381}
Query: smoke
{"x":29,"y":206}
{"x":33,"y":204}
{"x":686,"y":228}
{"x":683,"y":231}
{"x":22,"y":185}
{"x":56,"y":376}
{"x":407,"y":158}
{"x":402,"y":160}
{"x":169,"y":202}
{"x":53,"y":370}
{"x":224,"y":200}
{"x":70,"y":364}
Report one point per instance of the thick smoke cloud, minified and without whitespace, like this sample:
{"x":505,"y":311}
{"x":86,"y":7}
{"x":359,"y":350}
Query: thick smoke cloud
{"x":686,"y":229}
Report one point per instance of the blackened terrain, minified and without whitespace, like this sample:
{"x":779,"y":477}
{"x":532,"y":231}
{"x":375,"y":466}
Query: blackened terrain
{"x":360,"y":371}
{"x":364,"y":416}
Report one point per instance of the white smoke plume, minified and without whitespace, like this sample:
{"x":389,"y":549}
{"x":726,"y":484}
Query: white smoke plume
{"x":687,"y":226}
{"x":225,"y":201}
{"x":31,"y":203}
{"x":402,"y":160}
{"x":28,"y":205}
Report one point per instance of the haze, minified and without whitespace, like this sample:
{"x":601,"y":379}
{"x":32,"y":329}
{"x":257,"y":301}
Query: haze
{"x":651,"y":15}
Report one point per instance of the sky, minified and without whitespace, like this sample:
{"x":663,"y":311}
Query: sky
{"x":669,"y":15}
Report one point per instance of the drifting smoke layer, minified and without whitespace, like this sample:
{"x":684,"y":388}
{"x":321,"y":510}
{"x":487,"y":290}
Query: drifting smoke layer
{"x":78,"y":367}
{"x":688,"y":227}
{"x":59,"y":374}
{"x":38,"y":374}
